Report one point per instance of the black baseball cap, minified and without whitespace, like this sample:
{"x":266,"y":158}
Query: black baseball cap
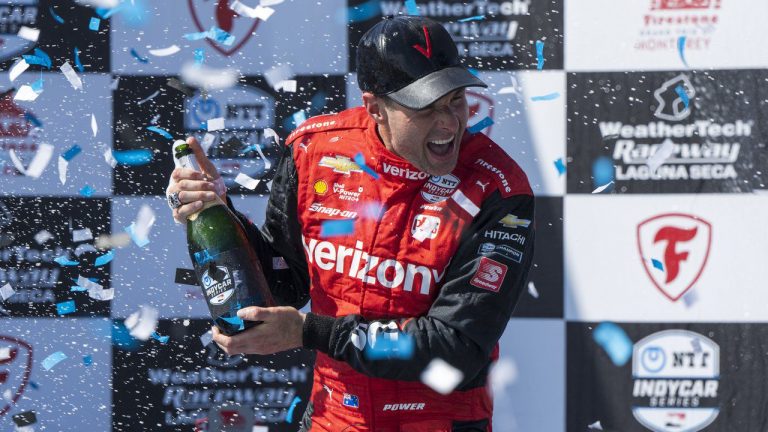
{"x":412,"y":60}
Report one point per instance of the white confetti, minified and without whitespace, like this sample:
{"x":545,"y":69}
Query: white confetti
{"x":82,"y":235}
{"x":144,"y":221}
{"x":94,"y":125}
{"x":6,"y":291}
{"x":246,"y":181}
{"x":142,"y":323}
{"x":215,"y":124}
{"x":164,"y":52}
{"x":286,"y":86}
{"x":532,"y":290}
{"x":662,"y":153}
{"x":109,"y":157}
{"x":270,"y":2}
{"x":441,"y":376}
{"x":149,"y":98}
{"x":26,"y":94}
{"x":7,"y":395}
{"x":83,"y":248}
{"x":95,"y":291}
{"x":71,"y":76}
{"x":206,"y":338}
{"x":261,"y":12}
{"x":207,"y":78}
{"x":208,"y":142}
{"x":38,"y":164}
{"x":115,"y":82}
{"x":29,"y":33}
{"x":43,"y":236}
{"x":595,"y":426}
{"x":63,"y":164}
{"x":602,"y":188}
{"x":277,"y":74}
{"x":503,"y":374}
{"x":17,"y":69}
{"x":106,"y":4}
{"x":118,"y":240}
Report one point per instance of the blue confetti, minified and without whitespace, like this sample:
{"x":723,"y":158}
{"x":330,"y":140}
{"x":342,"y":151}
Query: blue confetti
{"x":360,"y":161}
{"x":299,"y":117}
{"x":683,"y":95}
{"x":86,"y":191}
{"x":71,"y":152}
{"x":657,"y":264}
{"x":94,"y":24}
{"x":410,"y":6}
{"x":32,"y":119}
{"x":160,"y":131}
{"x":66,"y":307}
{"x":602,"y":171}
{"x":363,"y":12}
{"x":221,"y":36}
{"x":474,"y":72}
{"x":546,"y":97}
{"x":560,"y":165}
{"x":101,"y":12}
{"x":614,"y":341}
{"x":195,"y":36}
{"x":138,"y":57}
{"x":482,"y":124}
{"x":336,"y":228}
{"x":162,"y":339}
{"x":199,"y":56}
{"x":203,"y":257}
{"x":289,"y":414}
{"x":63,"y":260}
{"x":122,"y":338}
{"x":133,"y":157}
{"x":235,"y":321}
{"x":87,"y":360}
{"x":77,"y":288}
{"x":539,"y":55}
{"x":681,"y":49}
{"x":104,"y":259}
{"x":58,"y":19}
{"x":34,"y":385}
{"x":37,"y":86}
{"x":38,"y":58}
{"x":78,"y":63}
{"x":53,"y":359}
{"x":140,"y":242}
{"x":386,"y":348}
{"x":473,"y":18}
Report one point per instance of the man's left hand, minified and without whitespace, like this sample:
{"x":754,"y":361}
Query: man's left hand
{"x":280,"y":330}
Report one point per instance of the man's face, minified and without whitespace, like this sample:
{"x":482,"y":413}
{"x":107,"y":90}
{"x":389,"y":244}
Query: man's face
{"x":428,"y":138}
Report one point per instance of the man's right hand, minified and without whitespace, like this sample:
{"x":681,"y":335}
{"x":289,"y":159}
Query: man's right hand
{"x":194,"y":187}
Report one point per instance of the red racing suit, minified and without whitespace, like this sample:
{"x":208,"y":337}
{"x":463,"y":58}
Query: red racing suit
{"x":441,"y":259}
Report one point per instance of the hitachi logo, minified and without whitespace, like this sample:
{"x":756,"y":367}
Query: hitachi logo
{"x":405,"y":173}
{"x":404,"y":407}
{"x":660,"y":129}
{"x":368,"y":268}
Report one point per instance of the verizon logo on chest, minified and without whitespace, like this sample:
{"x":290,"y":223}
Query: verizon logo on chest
{"x":373,"y":270}
{"x":404,"y":172}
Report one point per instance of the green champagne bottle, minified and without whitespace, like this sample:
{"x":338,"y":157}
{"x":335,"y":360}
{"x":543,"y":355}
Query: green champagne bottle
{"x":227,"y":268}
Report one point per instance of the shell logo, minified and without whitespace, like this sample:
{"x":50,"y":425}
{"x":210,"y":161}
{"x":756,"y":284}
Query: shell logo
{"x":321,"y":187}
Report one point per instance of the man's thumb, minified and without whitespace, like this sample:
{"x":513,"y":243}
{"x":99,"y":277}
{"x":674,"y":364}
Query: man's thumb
{"x":202,"y":160}
{"x":251,"y":313}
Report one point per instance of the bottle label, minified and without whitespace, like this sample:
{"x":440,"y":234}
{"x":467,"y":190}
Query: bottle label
{"x":227,"y":285}
{"x":218,"y":284}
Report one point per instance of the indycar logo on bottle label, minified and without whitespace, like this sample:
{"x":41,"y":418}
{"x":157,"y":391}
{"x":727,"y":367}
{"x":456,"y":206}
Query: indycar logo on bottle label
{"x":674,"y":249}
{"x":676,"y":377}
{"x":439,"y":188}
{"x":489,"y":275}
{"x":219,"y":287}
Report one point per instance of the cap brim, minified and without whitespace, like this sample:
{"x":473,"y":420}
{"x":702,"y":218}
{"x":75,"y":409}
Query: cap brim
{"x":426,"y":90}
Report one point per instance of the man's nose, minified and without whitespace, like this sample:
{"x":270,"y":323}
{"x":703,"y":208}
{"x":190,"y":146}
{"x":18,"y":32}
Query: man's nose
{"x":448,"y":119}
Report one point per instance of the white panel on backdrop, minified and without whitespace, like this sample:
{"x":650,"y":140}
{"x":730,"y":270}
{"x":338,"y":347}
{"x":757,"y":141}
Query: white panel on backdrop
{"x":145,"y":276}
{"x":310,"y":37}
{"x":605,"y":35}
{"x":73,"y":395}
{"x":529,"y":379}
{"x":528,"y":116}
{"x":666,"y":258}
{"x":64,"y":115}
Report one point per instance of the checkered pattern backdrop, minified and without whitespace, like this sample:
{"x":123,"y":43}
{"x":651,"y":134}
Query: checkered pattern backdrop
{"x":640,"y":124}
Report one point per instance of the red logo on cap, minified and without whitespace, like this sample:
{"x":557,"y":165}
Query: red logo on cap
{"x":427,"y":52}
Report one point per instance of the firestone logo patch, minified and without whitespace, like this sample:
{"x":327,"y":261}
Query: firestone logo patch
{"x":15,"y":369}
{"x":666,"y":20}
{"x":206,"y":13}
{"x":676,"y":378}
{"x":674,"y":249}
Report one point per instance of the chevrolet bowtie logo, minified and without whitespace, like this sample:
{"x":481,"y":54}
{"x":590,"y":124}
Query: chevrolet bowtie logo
{"x":511,"y":221}
{"x":340,"y":164}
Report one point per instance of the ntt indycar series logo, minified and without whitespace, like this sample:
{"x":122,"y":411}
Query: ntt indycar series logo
{"x":676,"y":377}
{"x":218,"y":287}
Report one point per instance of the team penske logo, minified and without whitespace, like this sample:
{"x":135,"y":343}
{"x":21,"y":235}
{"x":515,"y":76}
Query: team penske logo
{"x":370,"y":269}
{"x":512,"y":221}
{"x":340,"y":164}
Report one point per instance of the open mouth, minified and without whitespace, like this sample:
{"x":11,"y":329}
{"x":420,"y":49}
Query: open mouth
{"x":441,"y":147}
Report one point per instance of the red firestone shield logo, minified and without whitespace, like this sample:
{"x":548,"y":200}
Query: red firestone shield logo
{"x":220,"y":15}
{"x":480,"y":107}
{"x":674,"y":249}
{"x":15,"y":368}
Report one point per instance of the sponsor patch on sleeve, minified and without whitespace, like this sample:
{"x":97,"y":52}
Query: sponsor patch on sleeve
{"x":489,"y":275}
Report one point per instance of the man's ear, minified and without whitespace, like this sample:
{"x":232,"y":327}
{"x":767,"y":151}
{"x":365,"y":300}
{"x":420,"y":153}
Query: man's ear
{"x":375,"y":107}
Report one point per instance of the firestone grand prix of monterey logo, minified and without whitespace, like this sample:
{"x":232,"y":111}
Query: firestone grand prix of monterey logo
{"x":15,"y":368}
{"x":674,"y":249}
{"x":207,"y":13}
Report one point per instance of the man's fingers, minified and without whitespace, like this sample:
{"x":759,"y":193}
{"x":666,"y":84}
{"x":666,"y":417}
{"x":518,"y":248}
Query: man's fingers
{"x":187,"y":210}
{"x":186,"y":173}
{"x":191,"y":196}
{"x":254,"y":313}
{"x":195,"y":185}
{"x":205,"y":164}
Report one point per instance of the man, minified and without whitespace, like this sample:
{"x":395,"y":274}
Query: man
{"x":440,"y":251}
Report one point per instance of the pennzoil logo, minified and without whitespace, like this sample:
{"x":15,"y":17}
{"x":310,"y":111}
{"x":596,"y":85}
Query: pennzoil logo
{"x":340,"y":164}
{"x":676,"y":380}
{"x":512,"y":221}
